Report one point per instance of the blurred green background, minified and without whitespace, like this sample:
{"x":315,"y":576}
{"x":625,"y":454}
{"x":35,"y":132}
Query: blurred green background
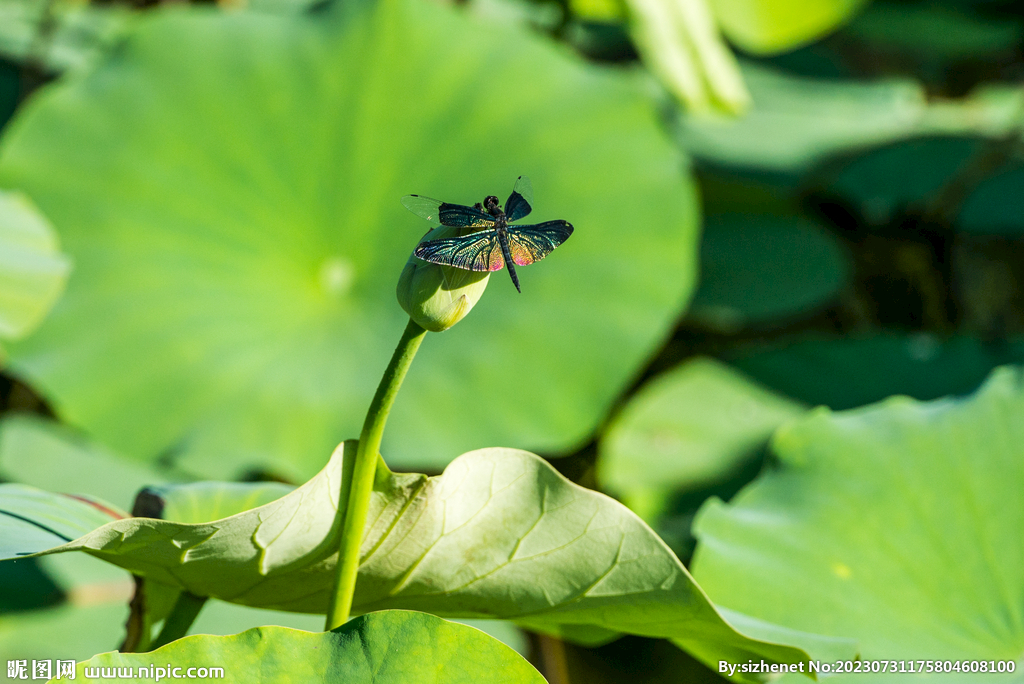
{"x":778,"y":204}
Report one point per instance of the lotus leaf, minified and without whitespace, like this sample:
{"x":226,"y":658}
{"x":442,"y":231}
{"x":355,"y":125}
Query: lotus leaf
{"x":499,"y":535}
{"x":228,"y":185}
{"x":897,"y":524}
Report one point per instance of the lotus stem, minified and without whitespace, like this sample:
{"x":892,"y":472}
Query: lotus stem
{"x":354,"y":506}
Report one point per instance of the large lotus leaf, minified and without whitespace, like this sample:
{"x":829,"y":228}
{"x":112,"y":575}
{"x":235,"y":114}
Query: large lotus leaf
{"x":771,"y":26}
{"x":32,"y":269}
{"x":797,"y":121}
{"x":897,"y":524}
{"x":391,"y":647}
{"x":499,"y":535}
{"x":246,"y":278}
{"x":687,"y":427}
{"x":756,"y":267}
{"x":843,"y":373}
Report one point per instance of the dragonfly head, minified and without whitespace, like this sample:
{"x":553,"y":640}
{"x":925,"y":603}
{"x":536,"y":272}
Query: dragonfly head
{"x":491,"y":205}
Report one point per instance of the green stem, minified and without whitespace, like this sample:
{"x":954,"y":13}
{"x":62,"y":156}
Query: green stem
{"x":363,"y":472}
{"x":184,"y":613}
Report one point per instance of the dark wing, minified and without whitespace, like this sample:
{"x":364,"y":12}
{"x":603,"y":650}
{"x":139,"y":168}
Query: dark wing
{"x":473,"y":252}
{"x":532,"y":243}
{"x":446,"y":214}
{"x":520,"y":202}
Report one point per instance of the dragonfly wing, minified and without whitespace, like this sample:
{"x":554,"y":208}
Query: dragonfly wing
{"x":473,"y":252}
{"x":520,"y":202}
{"x":532,"y":243}
{"x":447,"y":214}
{"x":423,"y":207}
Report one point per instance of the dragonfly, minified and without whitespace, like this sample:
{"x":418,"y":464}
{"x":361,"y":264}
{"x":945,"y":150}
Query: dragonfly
{"x":491,"y":243}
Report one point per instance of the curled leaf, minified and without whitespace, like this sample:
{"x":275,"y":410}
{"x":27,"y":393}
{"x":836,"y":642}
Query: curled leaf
{"x":500,"y":534}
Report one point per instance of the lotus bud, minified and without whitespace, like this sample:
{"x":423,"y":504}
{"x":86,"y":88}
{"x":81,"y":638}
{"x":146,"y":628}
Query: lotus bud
{"x":438,"y":297}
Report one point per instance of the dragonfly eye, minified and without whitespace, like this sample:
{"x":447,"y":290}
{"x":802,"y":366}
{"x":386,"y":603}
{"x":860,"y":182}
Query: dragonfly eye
{"x":491,"y":204}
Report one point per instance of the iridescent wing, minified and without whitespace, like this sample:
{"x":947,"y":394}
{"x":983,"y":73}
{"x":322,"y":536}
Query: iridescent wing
{"x":473,"y":252}
{"x":520,"y":202}
{"x":447,"y":214}
{"x":532,"y":243}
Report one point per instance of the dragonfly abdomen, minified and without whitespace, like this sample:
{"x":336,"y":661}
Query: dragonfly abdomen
{"x":507,"y":253}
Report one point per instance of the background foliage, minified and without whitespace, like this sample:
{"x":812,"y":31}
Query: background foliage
{"x":778,"y":206}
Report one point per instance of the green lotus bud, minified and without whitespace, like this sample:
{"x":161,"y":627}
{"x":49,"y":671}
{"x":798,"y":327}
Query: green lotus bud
{"x":438,"y":297}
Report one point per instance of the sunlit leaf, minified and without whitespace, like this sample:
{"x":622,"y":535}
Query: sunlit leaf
{"x":896,"y":524}
{"x":32,"y":269}
{"x":599,"y":10}
{"x":246,"y":280}
{"x":499,"y":535}
{"x":771,"y":26}
{"x":391,"y":647}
